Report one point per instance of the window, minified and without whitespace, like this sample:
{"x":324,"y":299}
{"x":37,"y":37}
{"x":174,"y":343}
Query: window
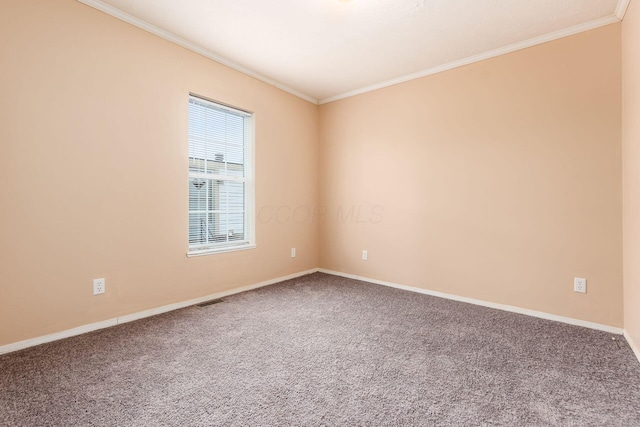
{"x":221,"y":188}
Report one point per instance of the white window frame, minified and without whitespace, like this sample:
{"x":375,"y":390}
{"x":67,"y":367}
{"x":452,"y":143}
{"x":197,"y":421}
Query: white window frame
{"x":249,"y":241}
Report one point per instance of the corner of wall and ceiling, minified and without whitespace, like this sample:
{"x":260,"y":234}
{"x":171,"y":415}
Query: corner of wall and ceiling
{"x":130,"y":19}
{"x":621,"y":8}
{"x":591,"y":25}
{"x":618,"y":16}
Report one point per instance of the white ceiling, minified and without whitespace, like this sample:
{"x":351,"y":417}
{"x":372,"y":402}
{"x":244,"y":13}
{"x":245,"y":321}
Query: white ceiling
{"x":324,"y":50}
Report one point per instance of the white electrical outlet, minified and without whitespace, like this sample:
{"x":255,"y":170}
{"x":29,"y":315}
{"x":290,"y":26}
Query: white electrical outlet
{"x":98,"y":286}
{"x":293,"y":252}
{"x":365,"y":255}
{"x":580,"y":285}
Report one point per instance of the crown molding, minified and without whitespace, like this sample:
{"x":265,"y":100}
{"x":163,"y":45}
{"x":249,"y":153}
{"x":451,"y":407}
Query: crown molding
{"x":481,"y":56}
{"x":621,"y":9}
{"x":130,"y":19}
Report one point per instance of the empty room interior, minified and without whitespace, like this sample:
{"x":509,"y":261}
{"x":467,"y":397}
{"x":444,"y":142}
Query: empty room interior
{"x":327,"y":212}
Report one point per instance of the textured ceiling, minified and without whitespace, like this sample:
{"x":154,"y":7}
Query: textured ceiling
{"x":327,"y":49}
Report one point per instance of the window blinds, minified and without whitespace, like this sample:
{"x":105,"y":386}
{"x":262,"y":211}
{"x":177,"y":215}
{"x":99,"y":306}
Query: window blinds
{"x":218,"y":176}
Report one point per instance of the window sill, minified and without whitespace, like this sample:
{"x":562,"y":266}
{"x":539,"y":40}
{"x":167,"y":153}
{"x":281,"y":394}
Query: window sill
{"x":211,"y":251}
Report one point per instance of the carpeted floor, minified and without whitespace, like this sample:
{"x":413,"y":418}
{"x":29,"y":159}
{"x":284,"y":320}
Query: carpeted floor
{"x":323,"y":350}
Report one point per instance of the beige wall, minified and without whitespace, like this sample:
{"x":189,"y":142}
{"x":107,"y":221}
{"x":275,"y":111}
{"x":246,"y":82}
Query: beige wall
{"x":499,"y":181}
{"x":631,"y":169}
{"x":93,"y":170}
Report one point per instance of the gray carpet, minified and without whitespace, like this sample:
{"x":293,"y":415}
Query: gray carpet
{"x":323,"y":350}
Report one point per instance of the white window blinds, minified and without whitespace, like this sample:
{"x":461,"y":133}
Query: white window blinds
{"x":220,"y":177}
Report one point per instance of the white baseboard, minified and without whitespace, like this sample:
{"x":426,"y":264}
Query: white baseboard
{"x":178,"y":305}
{"x":140,"y":315}
{"x":57,"y":336}
{"x":159,"y":310}
{"x":633,"y":345}
{"x":513,"y":309}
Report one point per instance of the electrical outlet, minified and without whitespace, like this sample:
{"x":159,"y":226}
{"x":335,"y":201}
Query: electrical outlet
{"x":293,"y":252}
{"x":98,"y":286}
{"x":580,"y":285}
{"x":365,"y":255}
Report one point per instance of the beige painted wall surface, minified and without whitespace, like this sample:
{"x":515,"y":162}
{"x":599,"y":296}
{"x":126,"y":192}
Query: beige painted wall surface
{"x":631,"y":169}
{"x":499,"y":181}
{"x":93,"y":170}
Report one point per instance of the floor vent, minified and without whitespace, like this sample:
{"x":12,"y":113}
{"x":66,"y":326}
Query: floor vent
{"x":210,"y":302}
